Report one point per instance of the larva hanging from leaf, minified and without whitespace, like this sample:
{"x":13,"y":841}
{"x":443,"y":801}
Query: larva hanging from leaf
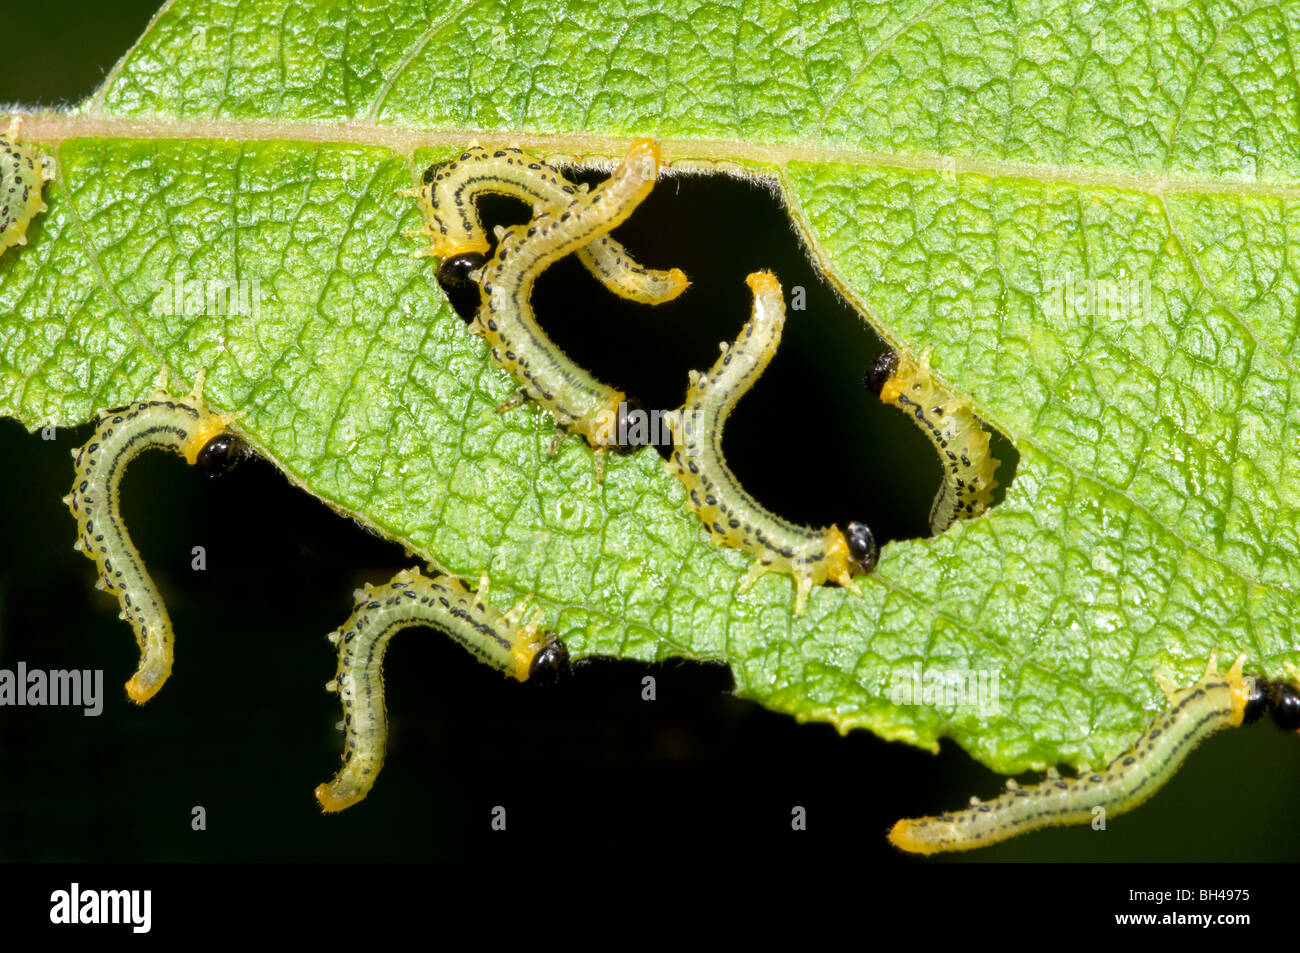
{"x":23,"y":174}
{"x":448,"y":198}
{"x":1214,"y":703}
{"x":578,"y":402}
{"x":413,"y":599}
{"x":733,"y":517}
{"x":184,"y":425}
{"x":966,"y":490}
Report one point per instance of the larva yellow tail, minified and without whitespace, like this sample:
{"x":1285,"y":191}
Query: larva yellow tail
{"x":448,"y":199}
{"x":733,"y":517}
{"x":413,"y":599}
{"x":1214,"y":703}
{"x":578,"y":402}
{"x":966,"y":490}
{"x":23,"y":175}
{"x":190,"y":429}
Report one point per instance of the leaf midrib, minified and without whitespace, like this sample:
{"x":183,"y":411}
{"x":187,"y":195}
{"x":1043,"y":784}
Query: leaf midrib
{"x":680,"y":155}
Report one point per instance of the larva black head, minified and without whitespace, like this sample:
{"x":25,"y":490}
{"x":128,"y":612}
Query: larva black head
{"x":1257,"y":702}
{"x":430,"y":173}
{"x":626,"y":408}
{"x":220,"y":453}
{"x":862,"y":546}
{"x":885,"y":366}
{"x":550,"y":661}
{"x":1284,"y":705}
{"x":457,"y":269}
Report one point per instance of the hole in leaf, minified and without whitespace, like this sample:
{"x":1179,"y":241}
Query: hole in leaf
{"x":809,"y":441}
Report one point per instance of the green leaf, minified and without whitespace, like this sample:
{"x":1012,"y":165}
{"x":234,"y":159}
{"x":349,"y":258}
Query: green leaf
{"x":959,"y":171}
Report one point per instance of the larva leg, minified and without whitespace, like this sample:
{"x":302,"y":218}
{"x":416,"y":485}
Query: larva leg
{"x":413,"y":599}
{"x":513,"y":401}
{"x":802,"y":583}
{"x":733,"y":517}
{"x":184,"y":425}
{"x":803,"y":587}
{"x":448,"y":198}
{"x":1212,"y":704}
{"x":757,"y":570}
{"x":1166,"y":685}
{"x":557,"y":438}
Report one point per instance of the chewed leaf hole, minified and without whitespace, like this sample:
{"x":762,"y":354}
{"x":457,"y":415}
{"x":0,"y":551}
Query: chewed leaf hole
{"x":810,"y":441}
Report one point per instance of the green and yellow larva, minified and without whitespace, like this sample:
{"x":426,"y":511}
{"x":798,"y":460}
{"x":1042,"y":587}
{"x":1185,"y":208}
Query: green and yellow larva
{"x":448,"y":199}
{"x":23,"y":174}
{"x":966,"y":490}
{"x":578,"y":402}
{"x":733,"y":517}
{"x":184,"y":425}
{"x":1214,"y":703}
{"x":412,"y":599}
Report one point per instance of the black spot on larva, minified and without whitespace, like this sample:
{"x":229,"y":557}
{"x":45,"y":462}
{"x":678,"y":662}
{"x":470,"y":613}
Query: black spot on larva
{"x":862,"y":546}
{"x":1284,"y":705}
{"x":457,"y":269}
{"x":885,"y":366}
{"x":551,"y":660}
{"x":220,"y":453}
{"x":625,"y":409}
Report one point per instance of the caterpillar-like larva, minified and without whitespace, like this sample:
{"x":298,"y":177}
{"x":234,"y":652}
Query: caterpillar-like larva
{"x":448,"y":198}
{"x":733,"y":517}
{"x":184,"y":425}
{"x":1214,"y":703}
{"x":578,"y":402}
{"x":412,"y":599}
{"x":23,"y":174}
{"x":966,"y":490}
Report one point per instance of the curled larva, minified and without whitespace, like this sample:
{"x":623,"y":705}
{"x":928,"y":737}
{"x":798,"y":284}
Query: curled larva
{"x":448,"y":198}
{"x":733,"y":517}
{"x":946,"y":419}
{"x":184,"y":425}
{"x":578,"y":402}
{"x":412,"y":599}
{"x":1214,"y":703}
{"x":23,"y":175}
